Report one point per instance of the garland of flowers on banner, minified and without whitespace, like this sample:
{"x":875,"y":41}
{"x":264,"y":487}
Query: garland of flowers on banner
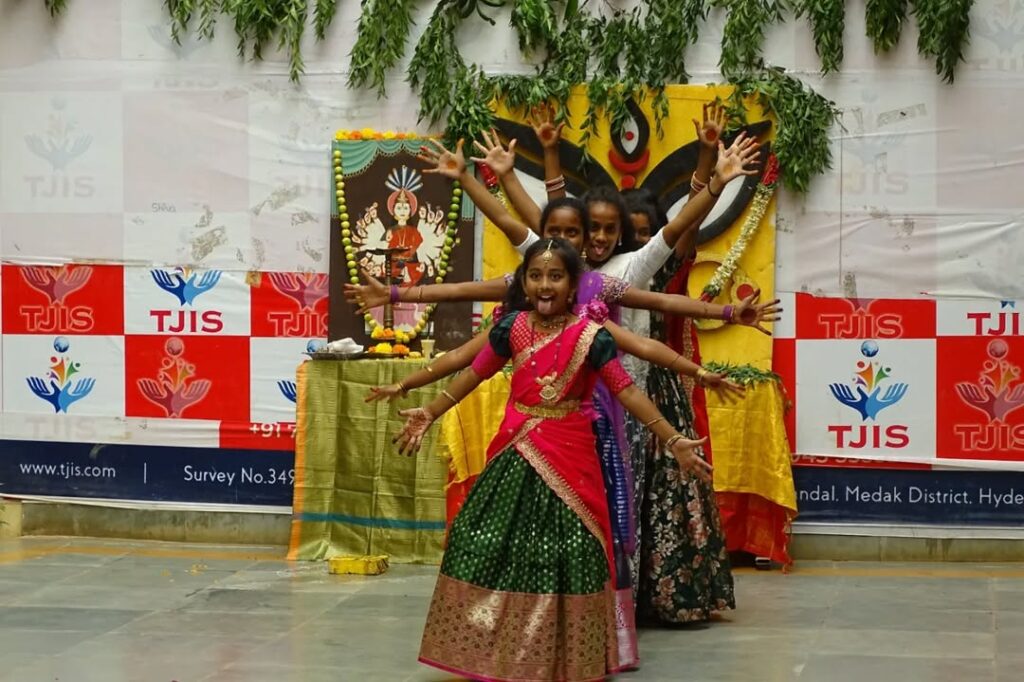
{"x":377,"y":331}
{"x":758,"y":207}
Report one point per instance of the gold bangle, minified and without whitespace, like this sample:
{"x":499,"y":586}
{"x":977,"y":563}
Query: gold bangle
{"x":654,"y":421}
{"x":701,"y":373}
{"x":402,"y":388}
{"x":672,"y":365}
{"x":448,"y":395}
{"x":419,"y":294}
{"x":671,"y":441}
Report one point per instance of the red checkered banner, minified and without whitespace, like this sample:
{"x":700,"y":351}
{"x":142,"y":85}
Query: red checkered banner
{"x":103,"y":353}
{"x":934,"y":383}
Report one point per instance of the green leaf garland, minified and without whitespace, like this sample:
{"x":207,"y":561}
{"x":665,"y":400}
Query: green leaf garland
{"x":743,"y":35}
{"x":943,"y":32}
{"x":804,"y":120}
{"x":384,"y":26}
{"x":743,"y":374}
{"x":827,"y":18}
{"x":885,"y":23}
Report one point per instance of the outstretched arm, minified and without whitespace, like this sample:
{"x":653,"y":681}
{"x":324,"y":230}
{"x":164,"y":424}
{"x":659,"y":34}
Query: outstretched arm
{"x":659,"y":354}
{"x":453,"y":165}
{"x":502,"y":161}
{"x":709,"y":132}
{"x":684,"y":450}
{"x":374,"y":293}
{"x":549,"y":134}
{"x":419,"y":419}
{"x":739,"y":159}
{"x":446,"y":365}
{"x":749,"y":312}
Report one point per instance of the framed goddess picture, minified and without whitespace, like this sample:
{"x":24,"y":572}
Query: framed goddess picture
{"x":404,"y":228}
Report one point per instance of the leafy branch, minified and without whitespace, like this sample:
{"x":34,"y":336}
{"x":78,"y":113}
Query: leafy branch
{"x":885,"y":23}
{"x":944,"y":26}
{"x":804,"y":119}
{"x":827,"y":18}
{"x":383,"y":30}
{"x":743,"y":35}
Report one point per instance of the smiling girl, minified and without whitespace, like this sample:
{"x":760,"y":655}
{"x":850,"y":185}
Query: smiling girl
{"x":525,"y":590}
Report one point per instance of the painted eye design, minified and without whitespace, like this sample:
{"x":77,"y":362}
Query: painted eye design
{"x":631,"y":142}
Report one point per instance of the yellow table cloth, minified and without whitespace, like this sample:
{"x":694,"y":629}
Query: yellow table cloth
{"x":354,"y":493}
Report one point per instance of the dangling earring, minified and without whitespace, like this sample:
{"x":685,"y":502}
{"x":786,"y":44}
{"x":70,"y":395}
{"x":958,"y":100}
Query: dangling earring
{"x":620,"y":240}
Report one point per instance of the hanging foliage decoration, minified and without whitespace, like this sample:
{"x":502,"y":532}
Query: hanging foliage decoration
{"x":384,"y":26}
{"x":885,"y":23}
{"x":744,"y":32}
{"x":626,"y":55}
{"x":943,"y":27}
{"x":804,"y":118}
{"x":827,"y":18}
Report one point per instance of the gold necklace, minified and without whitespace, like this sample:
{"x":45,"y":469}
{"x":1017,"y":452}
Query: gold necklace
{"x":551,"y":323}
{"x":548,"y":392}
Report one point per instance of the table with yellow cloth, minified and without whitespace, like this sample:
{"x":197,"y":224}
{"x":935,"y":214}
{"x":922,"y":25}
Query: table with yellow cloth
{"x":354,"y":493}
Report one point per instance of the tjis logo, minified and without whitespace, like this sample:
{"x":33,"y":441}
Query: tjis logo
{"x":186,"y":285}
{"x":56,"y":283}
{"x":860,"y":322}
{"x":998,"y":392}
{"x":867,"y":398}
{"x":59,"y":146}
{"x":286,"y":386}
{"x":307,"y":290}
{"x":1003,"y":323}
{"x":175,"y":388}
{"x":57,"y":387}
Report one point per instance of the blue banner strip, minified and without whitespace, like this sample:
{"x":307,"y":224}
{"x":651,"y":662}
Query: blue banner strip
{"x":967,"y":498}
{"x":147,"y":472}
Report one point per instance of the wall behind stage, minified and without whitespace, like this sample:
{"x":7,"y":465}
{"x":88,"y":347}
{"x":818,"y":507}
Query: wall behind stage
{"x":124,"y":156}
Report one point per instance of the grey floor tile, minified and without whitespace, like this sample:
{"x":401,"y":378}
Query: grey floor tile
{"x":913,"y":643}
{"x":845,"y":668}
{"x":262,"y":601}
{"x":61,"y":619}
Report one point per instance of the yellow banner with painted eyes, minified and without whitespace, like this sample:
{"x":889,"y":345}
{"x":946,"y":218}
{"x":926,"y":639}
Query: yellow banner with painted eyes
{"x":663,"y":162}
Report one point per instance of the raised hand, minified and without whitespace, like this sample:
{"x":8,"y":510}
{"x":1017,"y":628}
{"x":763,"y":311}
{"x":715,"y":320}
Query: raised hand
{"x":709,"y":132}
{"x":446,"y":163}
{"x":542,"y":119}
{"x":685,"y":452}
{"x":389,"y":393}
{"x":724,"y":388}
{"x":417,"y":421}
{"x":751,"y":313}
{"x":741,"y":158}
{"x":366,"y":296}
{"x":495,"y":155}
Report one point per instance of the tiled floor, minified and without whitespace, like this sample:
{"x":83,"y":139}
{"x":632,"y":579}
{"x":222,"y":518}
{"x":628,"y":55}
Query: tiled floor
{"x":84,"y":610}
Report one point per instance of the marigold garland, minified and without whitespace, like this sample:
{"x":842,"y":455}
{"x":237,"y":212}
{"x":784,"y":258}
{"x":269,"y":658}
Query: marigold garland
{"x":378,"y":331}
{"x":758,"y":207}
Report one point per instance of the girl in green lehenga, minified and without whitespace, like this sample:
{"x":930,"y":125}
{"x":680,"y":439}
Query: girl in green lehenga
{"x":525,"y":590}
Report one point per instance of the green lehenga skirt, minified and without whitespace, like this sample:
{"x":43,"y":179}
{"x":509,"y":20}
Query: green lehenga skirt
{"x":522,"y":592}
